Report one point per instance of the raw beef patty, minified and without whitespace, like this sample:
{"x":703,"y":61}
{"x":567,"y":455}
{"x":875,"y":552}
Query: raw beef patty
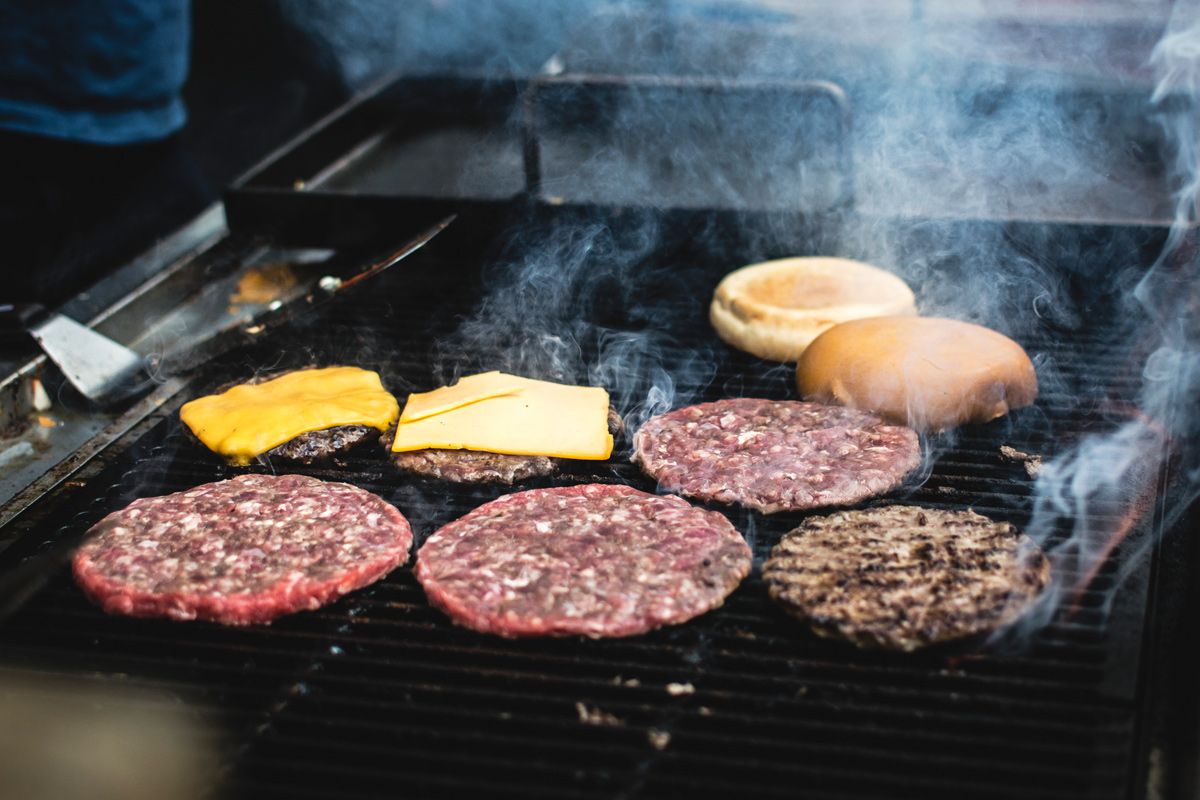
{"x":241,"y":551}
{"x":593,"y":560}
{"x":776,"y":455}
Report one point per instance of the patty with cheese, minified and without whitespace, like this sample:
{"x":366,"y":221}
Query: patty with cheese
{"x":500,"y":428}
{"x":303,"y":416}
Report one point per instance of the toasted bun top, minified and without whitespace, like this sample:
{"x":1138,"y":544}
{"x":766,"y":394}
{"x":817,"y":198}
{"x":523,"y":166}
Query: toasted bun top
{"x":926,"y":372}
{"x":774,"y":309}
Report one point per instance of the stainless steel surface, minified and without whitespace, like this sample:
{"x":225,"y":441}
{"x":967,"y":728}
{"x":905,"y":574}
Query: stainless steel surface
{"x":44,"y":436}
{"x":157,"y":274}
{"x":100,"y":369}
{"x":85,"y":435}
{"x":1074,"y":115}
{"x":204,"y":293}
{"x":269,"y":286}
{"x":182,"y":325}
{"x":711,"y":142}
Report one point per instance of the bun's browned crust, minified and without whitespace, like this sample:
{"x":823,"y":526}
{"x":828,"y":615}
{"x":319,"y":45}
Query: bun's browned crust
{"x":776,"y":308}
{"x":925,"y":372}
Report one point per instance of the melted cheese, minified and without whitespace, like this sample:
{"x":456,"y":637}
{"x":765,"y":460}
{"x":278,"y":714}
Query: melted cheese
{"x":250,"y":419}
{"x":471,"y":389}
{"x":538,"y":419}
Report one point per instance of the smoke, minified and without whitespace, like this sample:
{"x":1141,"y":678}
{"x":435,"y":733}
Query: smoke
{"x":1099,"y":490}
{"x":562,"y":304}
{"x":966,"y":126}
{"x":368,"y":38}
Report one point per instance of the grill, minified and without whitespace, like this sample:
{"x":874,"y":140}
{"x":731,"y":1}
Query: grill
{"x":379,"y":695}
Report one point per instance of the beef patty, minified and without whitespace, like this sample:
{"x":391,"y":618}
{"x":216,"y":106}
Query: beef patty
{"x":593,"y":560}
{"x":241,"y":551}
{"x":317,"y":446}
{"x":473,"y":466}
{"x":313,"y":447}
{"x":776,"y":455}
{"x":902,"y":577}
{"x":307,"y":448}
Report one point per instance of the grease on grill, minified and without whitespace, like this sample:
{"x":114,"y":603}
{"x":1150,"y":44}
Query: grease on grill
{"x":590,"y":715}
{"x":261,"y":285}
{"x":1032,"y":463}
{"x":658,"y":739}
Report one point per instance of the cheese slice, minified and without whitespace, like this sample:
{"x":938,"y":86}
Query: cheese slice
{"x":470,"y":389}
{"x":538,"y":419}
{"x":250,"y":419}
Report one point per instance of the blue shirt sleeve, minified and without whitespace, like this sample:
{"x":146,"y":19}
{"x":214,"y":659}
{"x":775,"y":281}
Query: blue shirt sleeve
{"x":98,"y":71}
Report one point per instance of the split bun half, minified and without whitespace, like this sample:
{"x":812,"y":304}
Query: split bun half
{"x":775,"y":309}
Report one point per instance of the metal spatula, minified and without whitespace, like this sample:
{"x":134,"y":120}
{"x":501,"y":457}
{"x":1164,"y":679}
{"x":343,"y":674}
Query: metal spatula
{"x":107,"y":373}
{"x":100,"y":369}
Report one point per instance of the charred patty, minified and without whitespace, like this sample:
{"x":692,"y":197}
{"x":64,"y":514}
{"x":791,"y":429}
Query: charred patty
{"x":316,"y":446}
{"x":776,"y":455}
{"x":903,"y":577}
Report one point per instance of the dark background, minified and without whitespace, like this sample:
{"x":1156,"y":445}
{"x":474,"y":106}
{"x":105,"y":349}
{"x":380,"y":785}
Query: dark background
{"x":261,"y":71}
{"x":75,"y":211}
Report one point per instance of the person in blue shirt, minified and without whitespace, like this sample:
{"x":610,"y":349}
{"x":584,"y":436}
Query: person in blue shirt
{"x":99,"y":155}
{"x":107,"y":72}
{"x":91,"y":108}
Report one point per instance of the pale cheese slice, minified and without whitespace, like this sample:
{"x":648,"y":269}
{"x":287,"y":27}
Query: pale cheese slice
{"x":470,"y":389}
{"x":540,"y":418}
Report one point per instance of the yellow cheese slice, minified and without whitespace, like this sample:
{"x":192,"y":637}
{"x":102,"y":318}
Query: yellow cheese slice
{"x":250,"y":419}
{"x":538,"y":419}
{"x":470,"y":389}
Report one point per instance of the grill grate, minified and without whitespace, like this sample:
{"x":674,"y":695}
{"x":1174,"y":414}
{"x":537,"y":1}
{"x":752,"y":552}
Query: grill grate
{"x":379,"y":695}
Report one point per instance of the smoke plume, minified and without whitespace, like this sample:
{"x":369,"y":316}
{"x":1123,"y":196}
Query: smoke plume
{"x":990,"y":157}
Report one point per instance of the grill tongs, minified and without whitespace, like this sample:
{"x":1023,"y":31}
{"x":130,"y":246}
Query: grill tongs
{"x":107,"y":373}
